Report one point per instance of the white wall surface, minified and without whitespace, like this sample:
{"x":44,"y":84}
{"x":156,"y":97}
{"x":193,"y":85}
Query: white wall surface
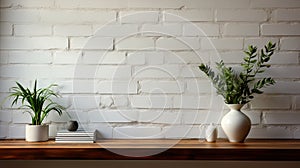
{"x":129,"y":68}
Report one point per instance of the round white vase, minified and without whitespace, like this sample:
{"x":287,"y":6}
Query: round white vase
{"x":37,"y":133}
{"x":235,"y":124}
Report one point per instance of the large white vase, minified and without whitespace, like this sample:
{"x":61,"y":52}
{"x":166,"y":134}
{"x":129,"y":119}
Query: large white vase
{"x":236,"y":124}
{"x":37,"y":133}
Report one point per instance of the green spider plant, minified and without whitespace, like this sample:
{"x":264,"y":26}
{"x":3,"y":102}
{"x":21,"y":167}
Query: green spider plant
{"x":239,"y":87}
{"x":37,"y":101}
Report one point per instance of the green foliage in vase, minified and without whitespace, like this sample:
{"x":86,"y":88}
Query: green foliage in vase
{"x":38,"y":101}
{"x":239,"y":87}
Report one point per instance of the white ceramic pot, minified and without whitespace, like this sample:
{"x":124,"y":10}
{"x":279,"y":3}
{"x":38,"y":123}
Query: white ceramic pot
{"x":236,"y":125}
{"x":211,"y":133}
{"x":37,"y":133}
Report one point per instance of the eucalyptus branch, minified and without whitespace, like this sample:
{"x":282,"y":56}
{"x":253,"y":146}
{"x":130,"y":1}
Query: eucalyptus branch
{"x":239,"y":89}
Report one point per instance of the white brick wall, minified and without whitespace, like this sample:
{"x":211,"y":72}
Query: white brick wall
{"x":6,"y":29}
{"x":255,"y":116}
{"x":113,"y":58}
{"x":30,"y":57}
{"x":237,"y":29}
{"x":5,"y":116}
{"x":102,"y":57}
{"x":297,"y":103}
{"x":116,"y":30}
{"x":218,"y":4}
{"x":130,"y":68}
{"x":19,"y":117}
{"x":138,"y":17}
{"x":259,"y":41}
{"x":162,"y":87}
{"x":24,"y":71}
{"x":32,"y":30}
{"x":274,"y":3}
{"x":195,"y":117}
{"x":232,"y":56}
{"x":28,"y":15}
{"x":201,"y":29}
{"x":244,"y":15}
{"x":281,"y":117}
{"x":119,"y":4}
{"x":116,"y":87}
{"x":66,"y":57}
{"x":73,"y":30}
{"x":162,"y":30}
{"x":290,"y":43}
{"x":151,"y":101}
{"x":113,"y":116}
{"x":222,"y":44}
{"x":154,"y":58}
{"x":93,"y":43}
{"x":6,"y":84}
{"x":136,"y":58}
{"x":75,"y":16}
{"x":270,"y":132}
{"x":4,"y":57}
{"x":192,"y":102}
{"x":286,"y":15}
{"x":187,"y":43}
{"x":27,"y":43}
{"x":285,"y":58}
{"x":284,"y":87}
{"x":284,"y":72}
{"x":162,"y":117}
{"x":137,"y":132}
{"x":191,"y":72}
{"x":113,"y":72}
{"x":16,"y":131}
{"x":89,"y":4}
{"x":3,"y":131}
{"x":104,"y":130}
{"x":86,"y":102}
{"x":68,"y":72}
{"x":133,"y":43}
{"x":120,"y":101}
{"x":27,"y":3}
{"x":162,"y":71}
{"x":179,"y":132}
{"x":188,"y":15}
{"x":156,"y":4}
{"x":199,"y":86}
{"x":186,"y":57}
{"x":271,"y":102}
{"x":271,"y":29}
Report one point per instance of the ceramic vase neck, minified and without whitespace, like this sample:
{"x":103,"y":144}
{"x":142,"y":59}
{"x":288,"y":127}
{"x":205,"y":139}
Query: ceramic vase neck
{"x":236,"y":107}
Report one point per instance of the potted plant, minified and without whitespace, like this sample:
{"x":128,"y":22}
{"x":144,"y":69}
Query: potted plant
{"x":238,"y":88}
{"x":39,"y":103}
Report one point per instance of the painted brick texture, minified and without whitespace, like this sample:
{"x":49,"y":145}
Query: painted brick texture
{"x":130,"y":68}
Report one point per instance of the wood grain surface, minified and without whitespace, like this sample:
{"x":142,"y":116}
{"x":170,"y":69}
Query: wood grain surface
{"x":284,"y":150}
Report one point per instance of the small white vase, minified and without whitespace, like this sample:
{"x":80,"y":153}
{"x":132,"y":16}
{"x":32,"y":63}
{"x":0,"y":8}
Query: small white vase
{"x":236,"y":124}
{"x":211,"y":133}
{"x":37,"y":133}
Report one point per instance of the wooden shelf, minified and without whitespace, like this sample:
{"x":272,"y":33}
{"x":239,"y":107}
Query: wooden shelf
{"x":284,"y":150}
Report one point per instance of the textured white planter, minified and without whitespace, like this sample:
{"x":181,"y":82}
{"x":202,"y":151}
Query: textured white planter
{"x":36,"y":133}
{"x":236,"y":124}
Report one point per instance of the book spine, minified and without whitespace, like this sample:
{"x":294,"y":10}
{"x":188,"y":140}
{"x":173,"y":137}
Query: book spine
{"x":74,"y":141}
{"x":66,"y":134}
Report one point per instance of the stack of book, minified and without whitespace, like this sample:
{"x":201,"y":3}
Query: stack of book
{"x":79,"y":136}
